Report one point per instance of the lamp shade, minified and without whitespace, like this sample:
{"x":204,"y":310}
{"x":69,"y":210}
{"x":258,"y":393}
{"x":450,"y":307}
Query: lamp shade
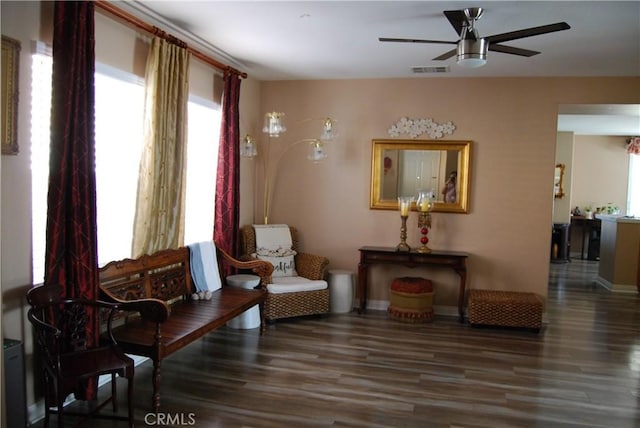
{"x":316,"y":151}
{"x":248,"y":147}
{"x":472,"y":53}
{"x":273,"y":124}
{"x":328,"y":130}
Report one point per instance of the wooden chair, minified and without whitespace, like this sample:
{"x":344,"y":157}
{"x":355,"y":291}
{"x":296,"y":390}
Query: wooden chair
{"x":291,"y":304}
{"x":68,"y":364}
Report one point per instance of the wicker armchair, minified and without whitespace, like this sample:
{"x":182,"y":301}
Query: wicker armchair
{"x":294,"y":304}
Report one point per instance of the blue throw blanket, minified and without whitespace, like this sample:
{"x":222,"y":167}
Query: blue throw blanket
{"x":204,"y":266}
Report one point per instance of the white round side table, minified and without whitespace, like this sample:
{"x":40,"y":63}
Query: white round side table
{"x":251,"y":317}
{"x":341,"y":284}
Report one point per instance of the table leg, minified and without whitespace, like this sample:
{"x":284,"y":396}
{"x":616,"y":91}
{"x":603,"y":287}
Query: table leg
{"x":584,"y":233}
{"x":363,"y":271}
{"x":461,"y":292}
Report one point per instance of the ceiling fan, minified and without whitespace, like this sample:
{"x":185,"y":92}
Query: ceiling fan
{"x":471,"y":50}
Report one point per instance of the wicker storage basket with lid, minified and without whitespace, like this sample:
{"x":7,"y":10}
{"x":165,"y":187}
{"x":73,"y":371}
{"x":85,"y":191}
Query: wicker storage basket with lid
{"x":505,"y":309}
{"x":411,"y":300}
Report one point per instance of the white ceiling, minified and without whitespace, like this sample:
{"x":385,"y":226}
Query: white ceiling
{"x":601,"y":119}
{"x":284,"y":40}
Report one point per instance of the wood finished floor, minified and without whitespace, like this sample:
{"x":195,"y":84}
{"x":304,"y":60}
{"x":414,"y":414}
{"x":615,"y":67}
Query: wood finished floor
{"x":350,"y":370}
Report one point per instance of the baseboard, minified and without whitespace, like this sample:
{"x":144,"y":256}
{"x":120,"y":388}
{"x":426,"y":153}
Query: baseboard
{"x":447,"y":311}
{"x":382,"y":305}
{"x":616,"y":288}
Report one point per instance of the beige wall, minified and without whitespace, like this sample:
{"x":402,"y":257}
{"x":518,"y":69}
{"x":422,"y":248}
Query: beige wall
{"x":512,"y":123}
{"x":250,"y":123}
{"x":597,"y":173}
{"x":600,"y":172}
{"x":21,"y":21}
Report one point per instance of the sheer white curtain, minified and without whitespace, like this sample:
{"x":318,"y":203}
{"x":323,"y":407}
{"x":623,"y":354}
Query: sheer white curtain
{"x":159,"y":219}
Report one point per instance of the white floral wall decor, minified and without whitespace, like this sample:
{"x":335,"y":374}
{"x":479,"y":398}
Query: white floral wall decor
{"x":416,"y":127}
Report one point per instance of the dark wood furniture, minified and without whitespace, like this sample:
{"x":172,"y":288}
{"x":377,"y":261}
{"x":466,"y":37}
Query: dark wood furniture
{"x":560,"y":248}
{"x":590,"y":232}
{"x":68,"y":360}
{"x":159,"y":287}
{"x":389,"y":255}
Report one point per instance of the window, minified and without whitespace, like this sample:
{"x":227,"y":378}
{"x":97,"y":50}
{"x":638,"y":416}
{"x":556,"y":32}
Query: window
{"x":119,"y":107}
{"x":41,"y":65}
{"x":202,"y":163}
{"x":119,"y":101}
{"x":633,"y":191}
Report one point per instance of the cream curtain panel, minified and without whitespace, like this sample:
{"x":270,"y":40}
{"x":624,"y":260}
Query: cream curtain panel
{"x":159,"y":217}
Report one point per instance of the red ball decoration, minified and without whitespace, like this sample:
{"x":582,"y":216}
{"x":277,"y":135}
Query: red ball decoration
{"x":424,"y":240}
{"x":424,"y":230}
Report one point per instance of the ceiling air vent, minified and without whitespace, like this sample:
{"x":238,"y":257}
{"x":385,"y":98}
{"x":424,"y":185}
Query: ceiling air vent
{"x":418,"y":70}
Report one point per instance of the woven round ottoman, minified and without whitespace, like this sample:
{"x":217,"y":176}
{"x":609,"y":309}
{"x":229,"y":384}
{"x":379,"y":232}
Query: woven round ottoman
{"x":411,"y":300}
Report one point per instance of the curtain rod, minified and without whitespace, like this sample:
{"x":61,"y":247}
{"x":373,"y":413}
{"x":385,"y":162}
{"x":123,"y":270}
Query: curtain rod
{"x":127,"y":17}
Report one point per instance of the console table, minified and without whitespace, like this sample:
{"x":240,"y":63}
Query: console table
{"x":389,"y":255}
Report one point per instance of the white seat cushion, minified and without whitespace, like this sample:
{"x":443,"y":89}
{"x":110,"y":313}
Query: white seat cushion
{"x":292,"y":284}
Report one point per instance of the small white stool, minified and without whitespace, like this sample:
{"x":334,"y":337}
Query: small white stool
{"x":251,"y":317}
{"x":341,"y":284}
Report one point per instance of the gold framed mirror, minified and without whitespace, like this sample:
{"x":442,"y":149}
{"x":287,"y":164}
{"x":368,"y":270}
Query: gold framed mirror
{"x":403,"y":167}
{"x":558,"y":181}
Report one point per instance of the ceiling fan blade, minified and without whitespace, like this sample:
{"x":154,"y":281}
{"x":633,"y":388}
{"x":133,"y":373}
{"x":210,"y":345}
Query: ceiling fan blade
{"x":446,"y":55}
{"x":457,"y":19}
{"x":512,"y":50}
{"x":528,"y":32}
{"x":388,"y":39}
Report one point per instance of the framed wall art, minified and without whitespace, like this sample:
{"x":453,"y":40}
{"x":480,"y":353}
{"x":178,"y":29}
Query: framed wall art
{"x":10,"y":68}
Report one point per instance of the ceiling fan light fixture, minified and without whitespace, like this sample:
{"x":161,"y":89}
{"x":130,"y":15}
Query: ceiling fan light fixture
{"x":471,"y":49}
{"x":469,"y":61}
{"x":472,"y":53}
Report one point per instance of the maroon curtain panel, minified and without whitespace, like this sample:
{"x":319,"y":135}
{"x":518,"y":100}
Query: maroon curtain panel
{"x":71,"y":247}
{"x":226,"y":230}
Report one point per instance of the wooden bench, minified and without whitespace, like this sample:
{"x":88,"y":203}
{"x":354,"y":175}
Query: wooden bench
{"x":158,"y":289}
{"x":505,"y":309}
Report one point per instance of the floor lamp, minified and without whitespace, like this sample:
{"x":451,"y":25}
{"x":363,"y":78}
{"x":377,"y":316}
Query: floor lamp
{"x":274,"y":127}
